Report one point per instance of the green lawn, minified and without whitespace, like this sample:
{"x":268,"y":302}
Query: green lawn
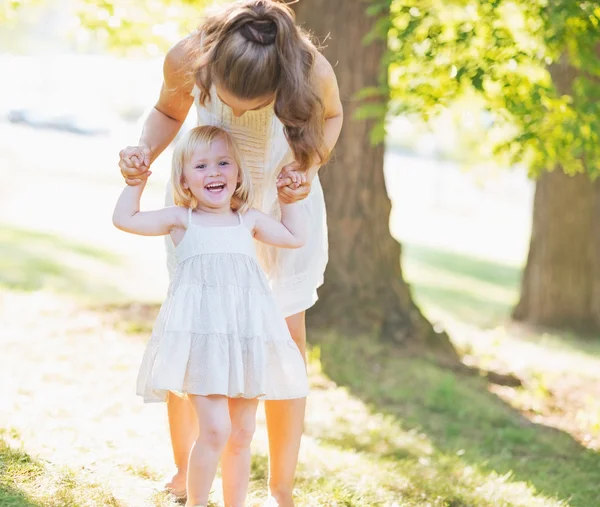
{"x":473,"y":290}
{"x":32,"y":260}
{"x":28,"y":482}
{"x":449,"y":438}
{"x":382,"y":428}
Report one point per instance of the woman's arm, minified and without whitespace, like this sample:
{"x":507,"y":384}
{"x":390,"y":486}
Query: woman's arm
{"x":165,"y":119}
{"x":327,"y":84}
{"x":334,"y":112}
{"x":290,"y":232}
{"x":128,"y":217}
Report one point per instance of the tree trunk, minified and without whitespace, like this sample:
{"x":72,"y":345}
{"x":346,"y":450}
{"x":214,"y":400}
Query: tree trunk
{"x":559,"y":286}
{"x":561,"y":281}
{"x":364,"y":289}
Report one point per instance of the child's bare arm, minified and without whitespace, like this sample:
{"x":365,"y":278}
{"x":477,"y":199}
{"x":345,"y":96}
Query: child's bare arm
{"x":290,"y":232}
{"x":128,"y":217}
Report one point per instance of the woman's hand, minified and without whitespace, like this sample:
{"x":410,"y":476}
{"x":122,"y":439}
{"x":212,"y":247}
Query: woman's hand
{"x":134,"y":164}
{"x":292,"y":185}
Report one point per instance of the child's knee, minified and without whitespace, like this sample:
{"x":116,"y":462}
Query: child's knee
{"x":241,"y":436}
{"x":216,"y":434}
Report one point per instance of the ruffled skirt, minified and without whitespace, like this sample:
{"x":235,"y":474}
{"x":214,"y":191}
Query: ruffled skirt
{"x":220,"y":332}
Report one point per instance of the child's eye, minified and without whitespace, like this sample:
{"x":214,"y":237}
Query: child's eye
{"x":201,"y":166}
{"x":223,"y":162}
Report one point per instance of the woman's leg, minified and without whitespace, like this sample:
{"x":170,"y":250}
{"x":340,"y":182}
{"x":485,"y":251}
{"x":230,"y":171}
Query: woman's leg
{"x":235,"y":463}
{"x":215,"y":427}
{"x":285,"y":424}
{"x":183,"y":427}
{"x":183,"y":424}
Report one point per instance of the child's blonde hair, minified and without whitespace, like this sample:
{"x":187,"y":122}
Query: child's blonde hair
{"x":202,"y":137}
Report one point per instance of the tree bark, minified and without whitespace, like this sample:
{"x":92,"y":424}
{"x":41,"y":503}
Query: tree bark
{"x":561,"y":285}
{"x":364,"y":289}
{"x":561,"y":281}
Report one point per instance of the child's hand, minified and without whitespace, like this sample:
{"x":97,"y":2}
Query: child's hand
{"x":292,"y":185}
{"x":291,"y":177}
{"x":134,"y":164}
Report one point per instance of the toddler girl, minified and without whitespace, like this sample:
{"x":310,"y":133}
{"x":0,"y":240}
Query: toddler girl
{"x":219,"y":338}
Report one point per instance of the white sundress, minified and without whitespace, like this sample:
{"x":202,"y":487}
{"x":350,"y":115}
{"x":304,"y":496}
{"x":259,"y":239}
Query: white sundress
{"x":219,"y":331}
{"x":294,"y":274}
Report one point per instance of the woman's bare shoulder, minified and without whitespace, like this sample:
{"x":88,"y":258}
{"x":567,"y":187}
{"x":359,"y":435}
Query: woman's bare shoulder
{"x":182,"y":55}
{"x":324,"y":78}
{"x":323,"y":71}
{"x":326,"y":82}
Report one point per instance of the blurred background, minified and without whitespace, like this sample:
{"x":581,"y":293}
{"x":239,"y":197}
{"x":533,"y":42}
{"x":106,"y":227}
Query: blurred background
{"x":459,"y":370}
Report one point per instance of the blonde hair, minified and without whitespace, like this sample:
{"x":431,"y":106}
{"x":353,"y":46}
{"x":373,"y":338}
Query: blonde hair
{"x":202,"y":137}
{"x":253,"y":48}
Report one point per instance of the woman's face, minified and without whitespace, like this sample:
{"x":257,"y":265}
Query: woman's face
{"x":240,"y":106}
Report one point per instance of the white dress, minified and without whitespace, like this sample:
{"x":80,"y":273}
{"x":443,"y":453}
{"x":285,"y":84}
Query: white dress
{"x":219,"y":330}
{"x":294,"y":275}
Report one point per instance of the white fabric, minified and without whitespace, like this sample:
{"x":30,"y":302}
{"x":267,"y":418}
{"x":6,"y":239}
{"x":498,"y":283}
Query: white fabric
{"x":295,"y":274}
{"x":219,"y":330}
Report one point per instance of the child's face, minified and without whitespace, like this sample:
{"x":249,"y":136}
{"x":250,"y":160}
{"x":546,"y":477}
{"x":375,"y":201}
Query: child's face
{"x":212,"y":175}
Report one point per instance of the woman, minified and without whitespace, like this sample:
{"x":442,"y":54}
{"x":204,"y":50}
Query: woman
{"x":251,"y":70}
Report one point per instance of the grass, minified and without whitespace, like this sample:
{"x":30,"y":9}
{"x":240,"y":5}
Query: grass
{"x":383,"y":429}
{"x":32,"y":260}
{"x":28,"y":482}
{"x":472,"y":290}
{"x":449,"y":438}
{"x":143,"y":471}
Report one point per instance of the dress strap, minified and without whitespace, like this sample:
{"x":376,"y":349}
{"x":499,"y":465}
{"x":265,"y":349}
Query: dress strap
{"x":189,"y":217}
{"x":240,"y":217}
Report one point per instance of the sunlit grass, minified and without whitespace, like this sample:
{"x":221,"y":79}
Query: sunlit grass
{"x":382,"y":428}
{"x":446,"y":436}
{"x":32,"y":260}
{"x":143,"y":471}
{"x":28,"y":482}
{"x":473,"y":298}
{"x":472,"y":290}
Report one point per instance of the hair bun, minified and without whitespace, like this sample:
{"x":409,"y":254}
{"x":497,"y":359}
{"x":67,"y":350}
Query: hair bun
{"x":261,"y":31}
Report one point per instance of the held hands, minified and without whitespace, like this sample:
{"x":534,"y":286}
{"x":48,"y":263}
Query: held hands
{"x":134,"y":164}
{"x":292,"y":185}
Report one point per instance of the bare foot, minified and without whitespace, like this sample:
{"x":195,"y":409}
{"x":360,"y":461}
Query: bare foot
{"x":177,"y":485}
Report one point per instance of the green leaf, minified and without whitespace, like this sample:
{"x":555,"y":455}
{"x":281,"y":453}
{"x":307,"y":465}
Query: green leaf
{"x":370,"y":92}
{"x":369,"y":111}
{"x":378,"y":134}
{"x":378,"y":7}
{"x":498,"y":52}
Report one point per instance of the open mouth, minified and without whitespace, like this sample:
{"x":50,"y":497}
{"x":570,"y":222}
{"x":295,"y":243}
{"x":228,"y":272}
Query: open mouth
{"x":215,"y":187}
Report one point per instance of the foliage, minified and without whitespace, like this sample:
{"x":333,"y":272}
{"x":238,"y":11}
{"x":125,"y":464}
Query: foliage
{"x":10,"y":8}
{"x":150,"y":26}
{"x":501,"y":52}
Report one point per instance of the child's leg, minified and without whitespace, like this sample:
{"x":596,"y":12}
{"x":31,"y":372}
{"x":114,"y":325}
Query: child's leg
{"x":235,"y":463}
{"x":184,"y":431}
{"x":214,"y":430}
